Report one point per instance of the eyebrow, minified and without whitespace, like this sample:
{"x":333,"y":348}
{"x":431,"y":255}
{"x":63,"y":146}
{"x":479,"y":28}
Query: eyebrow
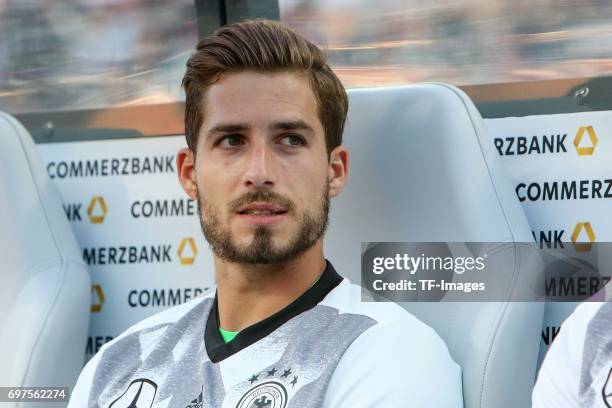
{"x":227,"y":128}
{"x":291,"y":125}
{"x":241,"y":127}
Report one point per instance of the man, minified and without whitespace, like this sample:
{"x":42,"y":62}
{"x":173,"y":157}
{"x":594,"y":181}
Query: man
{"x":577,"y":370}
{"x":264,"y":120}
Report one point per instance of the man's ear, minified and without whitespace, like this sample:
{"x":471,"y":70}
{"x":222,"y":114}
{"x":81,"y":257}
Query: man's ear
{"x":338,"y":170}
{"x":185,"y":166}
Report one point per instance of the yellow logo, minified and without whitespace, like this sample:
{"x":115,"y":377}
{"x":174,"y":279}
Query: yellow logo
{"x":583,"y":246}
{"x":189,"y":258}
{"x":96,"y":213}
{"x":585,"y":151}
{"x":97,"y":298}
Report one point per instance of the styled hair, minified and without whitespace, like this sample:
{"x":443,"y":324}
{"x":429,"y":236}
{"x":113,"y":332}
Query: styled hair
{"x":262,"y":46}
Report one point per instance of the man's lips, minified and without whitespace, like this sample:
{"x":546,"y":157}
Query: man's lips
{"x":262,"y":213}
{"x":262,"y":209}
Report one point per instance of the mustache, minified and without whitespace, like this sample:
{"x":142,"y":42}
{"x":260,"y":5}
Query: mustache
{"x":267,"y":196}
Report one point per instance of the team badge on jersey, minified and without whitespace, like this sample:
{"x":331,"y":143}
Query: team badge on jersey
{"x":269,"y":394}
{"x":139,"y":394}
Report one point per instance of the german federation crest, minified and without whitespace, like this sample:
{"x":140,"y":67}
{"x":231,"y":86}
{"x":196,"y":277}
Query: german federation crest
{"x":270,"y":394}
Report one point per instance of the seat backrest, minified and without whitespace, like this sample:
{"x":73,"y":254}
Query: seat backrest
{"x":423,"y":170}
{"x":557,"y":164}
{"x":45,"y":287}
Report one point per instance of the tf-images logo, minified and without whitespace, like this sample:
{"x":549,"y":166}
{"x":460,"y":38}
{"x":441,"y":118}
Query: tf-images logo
{"x":139,"y":394}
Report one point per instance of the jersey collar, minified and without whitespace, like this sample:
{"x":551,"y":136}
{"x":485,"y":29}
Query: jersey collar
{"x":218,"y":350}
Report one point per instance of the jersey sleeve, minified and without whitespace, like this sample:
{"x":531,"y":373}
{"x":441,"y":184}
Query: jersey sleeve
{"x":395,"y":366}
{"x":558,"y":381}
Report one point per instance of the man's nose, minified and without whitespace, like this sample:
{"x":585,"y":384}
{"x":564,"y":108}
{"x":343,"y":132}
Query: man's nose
{"x":258,"y":173}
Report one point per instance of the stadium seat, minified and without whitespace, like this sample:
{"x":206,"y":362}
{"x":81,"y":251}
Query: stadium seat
{"x":422,"y":169}
{"x":45,"y":290}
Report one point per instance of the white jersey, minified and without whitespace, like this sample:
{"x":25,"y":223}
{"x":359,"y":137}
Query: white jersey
{"x":577,"y":370}
{"x":326,"y":349}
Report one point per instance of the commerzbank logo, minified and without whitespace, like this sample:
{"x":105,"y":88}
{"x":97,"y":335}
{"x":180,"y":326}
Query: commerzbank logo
{"x":97,"y":298}
{"x":96,"y":210}
{"x":187,"y":251}
{"x":583,"y":237}
{"x":585,"y":141}
{"x":156,"y":253}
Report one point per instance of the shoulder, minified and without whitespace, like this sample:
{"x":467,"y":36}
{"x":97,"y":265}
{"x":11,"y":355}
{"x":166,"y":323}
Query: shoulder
{"x":574,"y":330}
{"x":132,"y":343}
{"x":388,"y":316}
{"x":149,"y":330}
{"x":571,"y":338}
{"x":584,"y":314}
{"x":398,"y":358}
{"x":559,"y":377}
{"x":168,"y":316}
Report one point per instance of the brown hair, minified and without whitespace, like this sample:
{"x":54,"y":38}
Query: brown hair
{"x":264,"y":46}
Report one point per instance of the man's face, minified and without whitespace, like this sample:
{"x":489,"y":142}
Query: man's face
{"x":261,"y":170}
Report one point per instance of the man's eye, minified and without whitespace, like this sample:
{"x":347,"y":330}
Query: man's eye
{"x":292,"y":140}
{"x":231,"y":141}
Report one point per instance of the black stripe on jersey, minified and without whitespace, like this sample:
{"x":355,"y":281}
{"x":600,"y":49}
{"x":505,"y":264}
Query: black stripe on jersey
{"x":218,"y":350}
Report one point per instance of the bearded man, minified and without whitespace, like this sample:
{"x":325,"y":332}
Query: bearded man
{"x":264,"y":118}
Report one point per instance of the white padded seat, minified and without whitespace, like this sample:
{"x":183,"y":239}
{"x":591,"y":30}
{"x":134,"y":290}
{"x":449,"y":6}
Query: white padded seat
{"x":45,"y":287}
{"x":423,"y":169}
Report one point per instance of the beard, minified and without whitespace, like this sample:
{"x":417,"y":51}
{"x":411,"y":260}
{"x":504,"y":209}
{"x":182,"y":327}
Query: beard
{"x":261,"y":248}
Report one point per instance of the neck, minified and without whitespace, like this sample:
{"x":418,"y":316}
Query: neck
{"x":247,"y":294}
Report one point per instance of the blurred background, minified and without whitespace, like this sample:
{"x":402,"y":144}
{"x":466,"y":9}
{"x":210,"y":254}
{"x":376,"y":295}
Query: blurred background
{"x":68,"y":55}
